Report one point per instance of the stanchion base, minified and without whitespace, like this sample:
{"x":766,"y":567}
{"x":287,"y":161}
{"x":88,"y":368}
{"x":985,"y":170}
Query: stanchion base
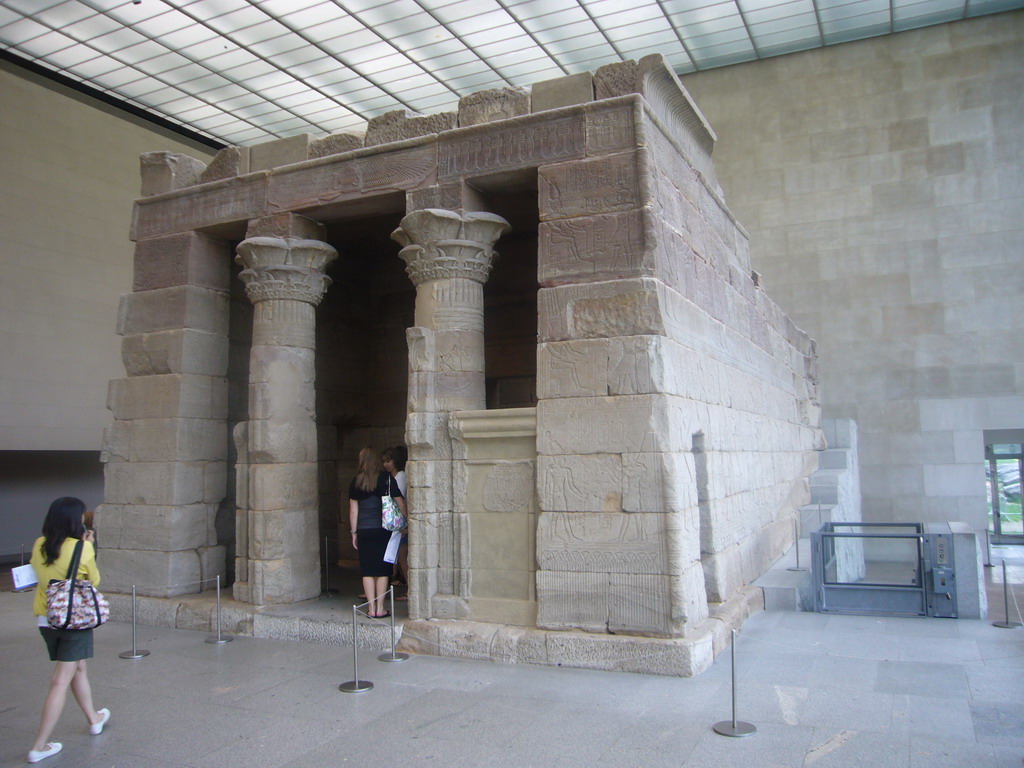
{"x":397,"y":656}
{"x":729,"y":728}
{"x":132,"y":655}
{"x":355,"y":686}
{"x":794,"y":568}
{"x":1006,"y":624}
{"x":214,"y":640}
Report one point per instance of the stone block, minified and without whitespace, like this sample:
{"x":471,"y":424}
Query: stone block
{"x":154,"y":482}
{"x":598,"y":367}
{"x":226,"y":164}
{"x":278,"y":152}
{"x":153,"y":573}
{"x":336,"y":144}
{"x":640,"y":604}
{"x":591,"y":483}
{"x":611,"y":129}
{"x":599,"y":247}
{"x":282,"y":441}
{"x":611,"y":542}
{"x":601,"y":310}
{"x":162,"y":309}
{"x":273,"y":582}
{"x":430,"y":485}
{"x":168,"y":396}
{"x":182,"y":350}
{"x":167,"y":171}
{"x":450,"y":196}
{"x":160,"y":527}
{"x":446,"y":391}
{"x":660,"y":482}
{"x":244,"y":198}
{"x":427,"y":435}
{"x":401,"y":124}
{"x":617,"y":79}
{"x":283,"y":486}
{"x":186,"y":259}
{"x":591,"y":186}
{"x":277,"y":534}
{"x":493,"y":104}
{"x":146,"y":440}
{"x":562,"y":92}
{"x":572,"y":600}
{"x":614,"y":425}
{"x":526,"y":144}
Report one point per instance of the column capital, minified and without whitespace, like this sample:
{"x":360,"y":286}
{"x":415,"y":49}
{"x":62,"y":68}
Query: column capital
{"x":439,"y":244}
{"x":285,"y":268}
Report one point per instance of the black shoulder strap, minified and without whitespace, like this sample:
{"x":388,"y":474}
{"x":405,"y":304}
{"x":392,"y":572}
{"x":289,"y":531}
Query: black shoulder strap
{"x":75,"y":560}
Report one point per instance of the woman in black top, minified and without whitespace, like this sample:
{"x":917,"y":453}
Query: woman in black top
{"x":365,"y":516}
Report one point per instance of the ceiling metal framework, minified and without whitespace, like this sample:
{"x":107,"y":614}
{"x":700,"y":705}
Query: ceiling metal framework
{"x":245,"y":71}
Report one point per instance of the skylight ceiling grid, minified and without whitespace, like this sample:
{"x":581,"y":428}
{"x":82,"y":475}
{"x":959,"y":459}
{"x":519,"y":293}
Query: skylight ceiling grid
{"x":241,"y":71}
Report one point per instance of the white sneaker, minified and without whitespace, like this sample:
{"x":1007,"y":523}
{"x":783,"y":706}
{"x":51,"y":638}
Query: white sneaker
{"x":97,"y":728}
{"x":34,"y":756}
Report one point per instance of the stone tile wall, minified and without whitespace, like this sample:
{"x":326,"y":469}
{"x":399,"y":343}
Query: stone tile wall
{"x":882,"y":185}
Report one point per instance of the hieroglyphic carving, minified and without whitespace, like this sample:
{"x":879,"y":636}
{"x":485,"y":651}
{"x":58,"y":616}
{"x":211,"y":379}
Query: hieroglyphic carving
{"x":403,"y":169}
{"x":608,"y":245}
{"x":572,"y":600}
{"x":508,"y":488}
{"x":598,"y":185}
{"x":610,"y":130}
{"x":519,"y":147}
{"x":237,"y":200}
{"x":602,"y":542}
{"x":309,"y":186}
{"x":572,"y":369}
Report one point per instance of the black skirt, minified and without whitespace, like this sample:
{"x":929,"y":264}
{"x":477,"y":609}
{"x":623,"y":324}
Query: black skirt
{"x":372,"y":544}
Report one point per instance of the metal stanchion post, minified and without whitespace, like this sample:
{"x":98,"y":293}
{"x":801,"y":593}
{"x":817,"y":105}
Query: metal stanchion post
{"x":1006,"y":605}
{"x":734,"y":727}
{"x":819,"y":514}
{"x":218,"y":639}
{"x":988,"y":549}
{"x":796,"y":546}
{"x":356,"y":685}
{"x":134,"y":653}
{"x":393,"y":655}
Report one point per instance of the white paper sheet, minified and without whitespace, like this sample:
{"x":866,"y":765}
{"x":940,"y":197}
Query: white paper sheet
{"x":391,"y":553}
{"x":24,"y":577}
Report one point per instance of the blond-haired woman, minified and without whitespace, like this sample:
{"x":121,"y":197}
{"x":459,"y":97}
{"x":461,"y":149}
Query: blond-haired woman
{"x":365,"y":516}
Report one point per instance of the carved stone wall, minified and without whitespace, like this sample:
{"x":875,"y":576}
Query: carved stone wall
{"x":676,"y":409}
{"x":166,"y":452}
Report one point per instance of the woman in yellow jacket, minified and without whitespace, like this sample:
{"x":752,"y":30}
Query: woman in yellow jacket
{"x":52,"y":554}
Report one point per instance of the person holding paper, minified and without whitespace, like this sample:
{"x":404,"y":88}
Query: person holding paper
{"x":365,"y":516}
{"x":69,"y":648}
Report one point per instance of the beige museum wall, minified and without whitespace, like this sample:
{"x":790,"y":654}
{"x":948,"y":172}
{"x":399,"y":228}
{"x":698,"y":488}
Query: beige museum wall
{"x":882,"y":183}
{"x":69,"y":171}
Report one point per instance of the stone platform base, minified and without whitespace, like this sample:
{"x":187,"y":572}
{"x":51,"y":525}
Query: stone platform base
{"x":328,"y":621}
{"x":677,"y":657}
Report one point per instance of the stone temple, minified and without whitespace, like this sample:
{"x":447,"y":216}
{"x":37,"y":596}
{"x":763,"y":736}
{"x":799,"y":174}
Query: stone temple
{"x":611,"y":426}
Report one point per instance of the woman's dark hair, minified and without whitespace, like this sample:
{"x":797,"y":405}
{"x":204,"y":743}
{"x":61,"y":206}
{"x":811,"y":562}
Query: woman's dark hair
{"x":398,"y":454}
{"x":62,"y":521}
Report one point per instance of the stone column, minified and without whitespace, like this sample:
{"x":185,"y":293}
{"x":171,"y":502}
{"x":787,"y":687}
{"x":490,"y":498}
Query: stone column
{"x":448,"y":256}
{"x":278,"y":531}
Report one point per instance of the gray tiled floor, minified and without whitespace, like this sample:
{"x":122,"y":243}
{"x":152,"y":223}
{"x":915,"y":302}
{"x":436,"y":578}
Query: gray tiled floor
{"x":823,"y":691}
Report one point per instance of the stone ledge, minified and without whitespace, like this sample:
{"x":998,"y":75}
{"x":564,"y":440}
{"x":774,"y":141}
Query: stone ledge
{"x":324,"y":621}
{"x":678,"y":657}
